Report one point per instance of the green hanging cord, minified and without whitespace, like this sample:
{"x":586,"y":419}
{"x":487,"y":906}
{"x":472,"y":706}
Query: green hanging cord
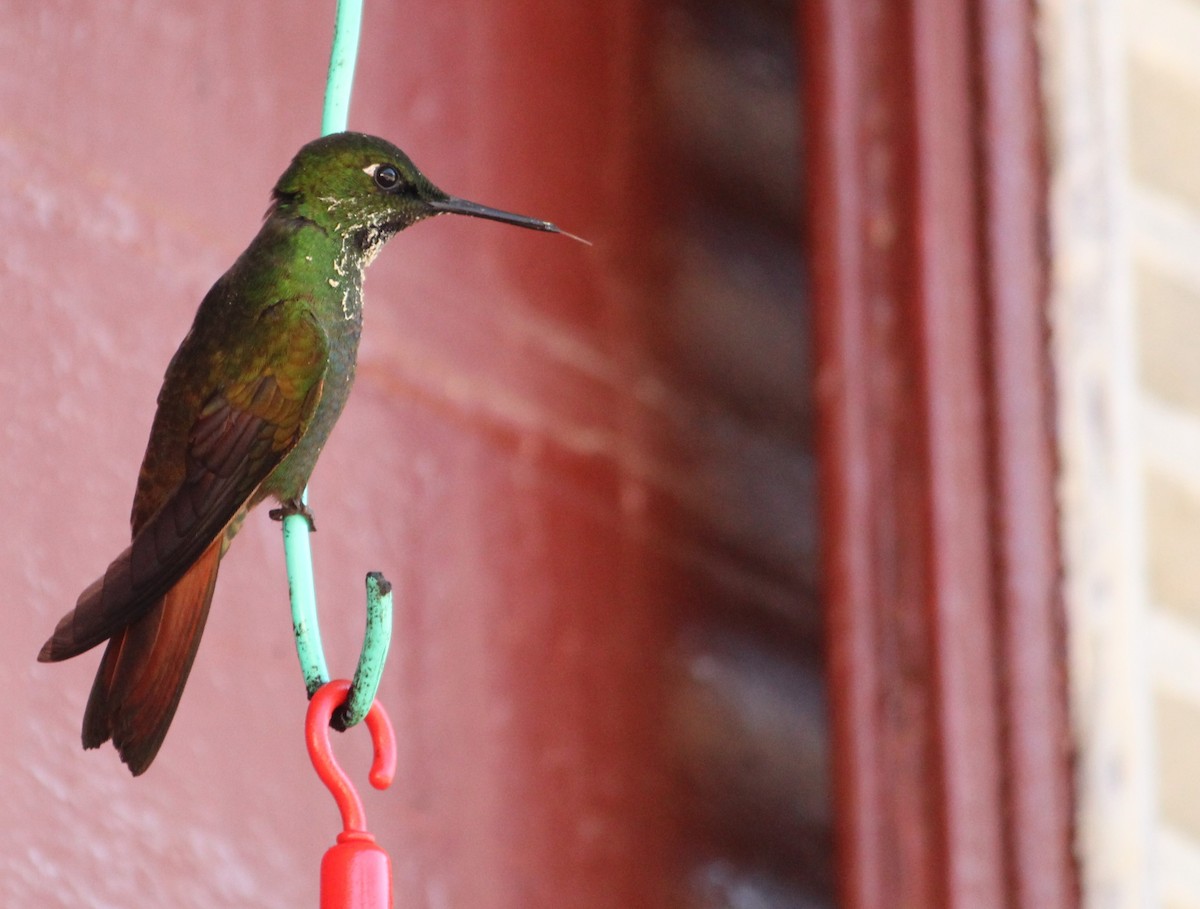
{"x":297,"y":553}
{"x":296,"y":544}
{"x":341,"y":66}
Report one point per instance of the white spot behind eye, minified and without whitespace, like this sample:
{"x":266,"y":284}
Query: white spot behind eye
{"x":370,"y":169}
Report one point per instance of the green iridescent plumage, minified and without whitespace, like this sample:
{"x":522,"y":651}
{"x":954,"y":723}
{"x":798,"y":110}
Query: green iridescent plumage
{"x":246,"y":406}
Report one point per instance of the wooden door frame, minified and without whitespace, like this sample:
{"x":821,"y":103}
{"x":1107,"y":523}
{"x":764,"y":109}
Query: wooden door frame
{"x":926,"y":186}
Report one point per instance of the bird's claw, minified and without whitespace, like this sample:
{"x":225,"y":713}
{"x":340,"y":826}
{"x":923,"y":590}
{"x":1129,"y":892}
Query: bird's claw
{"x":295,"y":506}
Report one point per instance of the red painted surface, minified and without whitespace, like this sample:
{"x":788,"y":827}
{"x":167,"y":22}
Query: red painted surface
{"x":952,"y":785}
{"x":1039,"y":792}
{"x":592,"y":496}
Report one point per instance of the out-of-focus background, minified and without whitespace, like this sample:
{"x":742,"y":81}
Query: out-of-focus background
{"x":1156,"y":223}
{"x":824,"y":534}
{"x":588,"y":471}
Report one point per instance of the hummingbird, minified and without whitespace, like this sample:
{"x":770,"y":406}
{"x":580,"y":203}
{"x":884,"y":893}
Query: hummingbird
{"x":246,"y":406}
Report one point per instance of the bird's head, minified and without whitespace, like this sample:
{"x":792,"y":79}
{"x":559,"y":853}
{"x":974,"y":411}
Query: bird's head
{"x":365,"y":189}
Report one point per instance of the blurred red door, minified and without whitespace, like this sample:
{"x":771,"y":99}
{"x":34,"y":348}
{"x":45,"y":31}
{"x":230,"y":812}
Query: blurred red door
{"x":947,"y":677}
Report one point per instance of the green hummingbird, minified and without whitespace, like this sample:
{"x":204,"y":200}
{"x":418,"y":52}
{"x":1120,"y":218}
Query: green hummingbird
{"x":246,"y":405}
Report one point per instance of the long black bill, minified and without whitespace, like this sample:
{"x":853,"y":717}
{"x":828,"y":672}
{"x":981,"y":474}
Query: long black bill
{"x":456,"y":206}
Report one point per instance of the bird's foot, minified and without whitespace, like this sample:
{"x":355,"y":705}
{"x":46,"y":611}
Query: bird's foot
{"x":294,"y":506}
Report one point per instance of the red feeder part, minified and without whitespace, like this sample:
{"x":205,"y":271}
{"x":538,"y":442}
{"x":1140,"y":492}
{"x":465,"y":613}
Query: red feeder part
{"x":355,"y":873}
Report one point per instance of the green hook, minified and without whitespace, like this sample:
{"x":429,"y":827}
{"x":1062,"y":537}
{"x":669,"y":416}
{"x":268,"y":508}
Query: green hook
{"x":376,"y":640}
{"x":296,"y":545}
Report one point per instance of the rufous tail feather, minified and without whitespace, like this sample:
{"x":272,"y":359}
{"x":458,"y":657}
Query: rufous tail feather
{"x":146,"y":665}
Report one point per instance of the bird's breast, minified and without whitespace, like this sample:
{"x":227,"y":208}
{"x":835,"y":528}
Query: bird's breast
{"x":288,"y":480}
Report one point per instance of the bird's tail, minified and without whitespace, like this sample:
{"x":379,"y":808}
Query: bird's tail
{"x":146,"y":665}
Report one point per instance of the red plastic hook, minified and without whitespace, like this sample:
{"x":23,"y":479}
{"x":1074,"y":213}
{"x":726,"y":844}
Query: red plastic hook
{"x":355,"y":873}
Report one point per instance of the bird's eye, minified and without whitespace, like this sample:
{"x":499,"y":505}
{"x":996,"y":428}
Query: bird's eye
{"x":386,"y":176}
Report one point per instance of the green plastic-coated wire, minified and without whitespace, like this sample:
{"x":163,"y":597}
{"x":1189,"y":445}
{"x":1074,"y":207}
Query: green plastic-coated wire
{"x":297,"y":554}
{"x":296,"y":544}
{"x":342,"y":58}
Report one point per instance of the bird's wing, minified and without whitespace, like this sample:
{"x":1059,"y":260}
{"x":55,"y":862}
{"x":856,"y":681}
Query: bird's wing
{"x":242,"y":433}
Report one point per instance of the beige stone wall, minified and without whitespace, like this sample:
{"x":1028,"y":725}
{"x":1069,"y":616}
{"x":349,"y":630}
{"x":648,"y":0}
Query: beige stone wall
{"x":1162,"y":61}
{"x":1123,"y":89}
{"x":1100,"y":491}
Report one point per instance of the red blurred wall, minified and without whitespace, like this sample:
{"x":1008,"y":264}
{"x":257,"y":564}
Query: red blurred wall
{"x":586,"y":470}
